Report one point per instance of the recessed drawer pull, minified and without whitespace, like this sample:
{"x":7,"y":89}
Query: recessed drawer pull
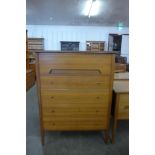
{"x":72,"y":72}
{"x":99,"y":83}
{"x":52,"y":97}
{"x":98,"y":97}
{"x":52,"y":82}
{"x":52,"y":111}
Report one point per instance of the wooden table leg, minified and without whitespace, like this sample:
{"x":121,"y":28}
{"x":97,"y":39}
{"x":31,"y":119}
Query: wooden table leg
{"x":42,"y":137}
{"x":106,"y":136}
{"x":114,"y":130}
{"x":116,"y":103}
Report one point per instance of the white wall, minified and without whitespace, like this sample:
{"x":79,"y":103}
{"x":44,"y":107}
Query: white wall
{"x":54,"y":34}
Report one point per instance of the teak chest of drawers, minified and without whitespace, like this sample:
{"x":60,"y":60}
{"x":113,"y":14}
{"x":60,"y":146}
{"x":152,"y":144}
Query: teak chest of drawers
{"x":74,"y":90}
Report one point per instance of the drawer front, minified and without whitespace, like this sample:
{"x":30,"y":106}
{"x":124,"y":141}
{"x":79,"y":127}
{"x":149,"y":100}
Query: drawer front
{"x":75,"y":111}
{"x":74,"y":118}
{"x":74,"y":125}
{"x":50,"y":61}
{"x":69,"y":113}
{"x":123,"y":108}
{"x":75,"y":82}
{"x":74,"y":98}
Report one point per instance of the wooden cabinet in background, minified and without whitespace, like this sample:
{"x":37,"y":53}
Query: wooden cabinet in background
{"x":27,"y":52}
{"x":95,"y":46}
{"x":114,"y":43}
{"x":70,"y":46}
{"x":120,"y":67}
{"x":34,"y":45}
{"x":30,"y":78}
{"x":121,"y":103}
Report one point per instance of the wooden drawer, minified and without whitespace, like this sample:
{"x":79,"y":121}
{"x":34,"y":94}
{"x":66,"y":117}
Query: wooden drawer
{"x":73,"y":113}
{"x":75,"y":82}
{"x":120,"y":67}
{"x":123,"y":107}
{"x":75,"y":124}
{"x":61,"y":98}
{"x":50,"y":61}
{"x":67,"y":111}
{"x":75,"y":118}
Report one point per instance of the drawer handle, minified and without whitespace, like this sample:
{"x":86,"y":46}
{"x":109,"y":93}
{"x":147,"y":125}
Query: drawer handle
{"x":99,"y":83}
{"x":97,"y":97}
{"x":52,"y":82}
{"x":52,"y":97}
{"x":52,"y":111}
{"x":80,"y":72}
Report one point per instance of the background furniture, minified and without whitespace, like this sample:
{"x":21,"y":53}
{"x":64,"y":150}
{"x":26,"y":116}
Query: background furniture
{"x":121,"y":76}
{"x":27,"y":52}
{"x":97,"y":46}
{"x":75,"y":91}
{"x":34,"y":45}
{"x":30,"y":72}
{"x":120,"y":67}
{"x":114,"y":43}
{"x":69,"y":45}
{"x":30,"y":78}
{"x":121,"y":103}
{"x":120,"y":45}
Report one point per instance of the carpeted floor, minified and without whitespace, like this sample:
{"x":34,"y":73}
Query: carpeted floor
{"x":70,"y":143}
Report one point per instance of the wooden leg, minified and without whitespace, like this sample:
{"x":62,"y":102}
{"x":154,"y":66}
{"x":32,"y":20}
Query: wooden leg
{"x":115,"y":117}
{"x":106,"y":136}
{"x":42,"y":137}
{"x":114,"y":130}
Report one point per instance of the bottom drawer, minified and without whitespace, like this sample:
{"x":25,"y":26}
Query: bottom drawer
{"x":74,"y":125}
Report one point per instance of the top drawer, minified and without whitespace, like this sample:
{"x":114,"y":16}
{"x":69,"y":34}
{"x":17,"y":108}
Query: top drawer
{"x":102,"y":62}
{"x":75,"y":82}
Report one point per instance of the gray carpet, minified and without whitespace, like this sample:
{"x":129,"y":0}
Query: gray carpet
{"x":70,"y":143}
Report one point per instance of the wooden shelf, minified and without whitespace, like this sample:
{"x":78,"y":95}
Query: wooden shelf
{"x":69,"y":45}
{"x":95,"y":46}
{"x":34,"y":45}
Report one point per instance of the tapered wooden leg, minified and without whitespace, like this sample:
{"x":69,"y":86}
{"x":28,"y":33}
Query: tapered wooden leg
{"x":42,"y":137}
{"x":106,"y":136}
{"x":114,"y":130}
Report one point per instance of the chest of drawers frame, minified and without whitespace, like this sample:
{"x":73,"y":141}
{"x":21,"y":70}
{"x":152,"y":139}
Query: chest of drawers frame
{"x":74,"y":91}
